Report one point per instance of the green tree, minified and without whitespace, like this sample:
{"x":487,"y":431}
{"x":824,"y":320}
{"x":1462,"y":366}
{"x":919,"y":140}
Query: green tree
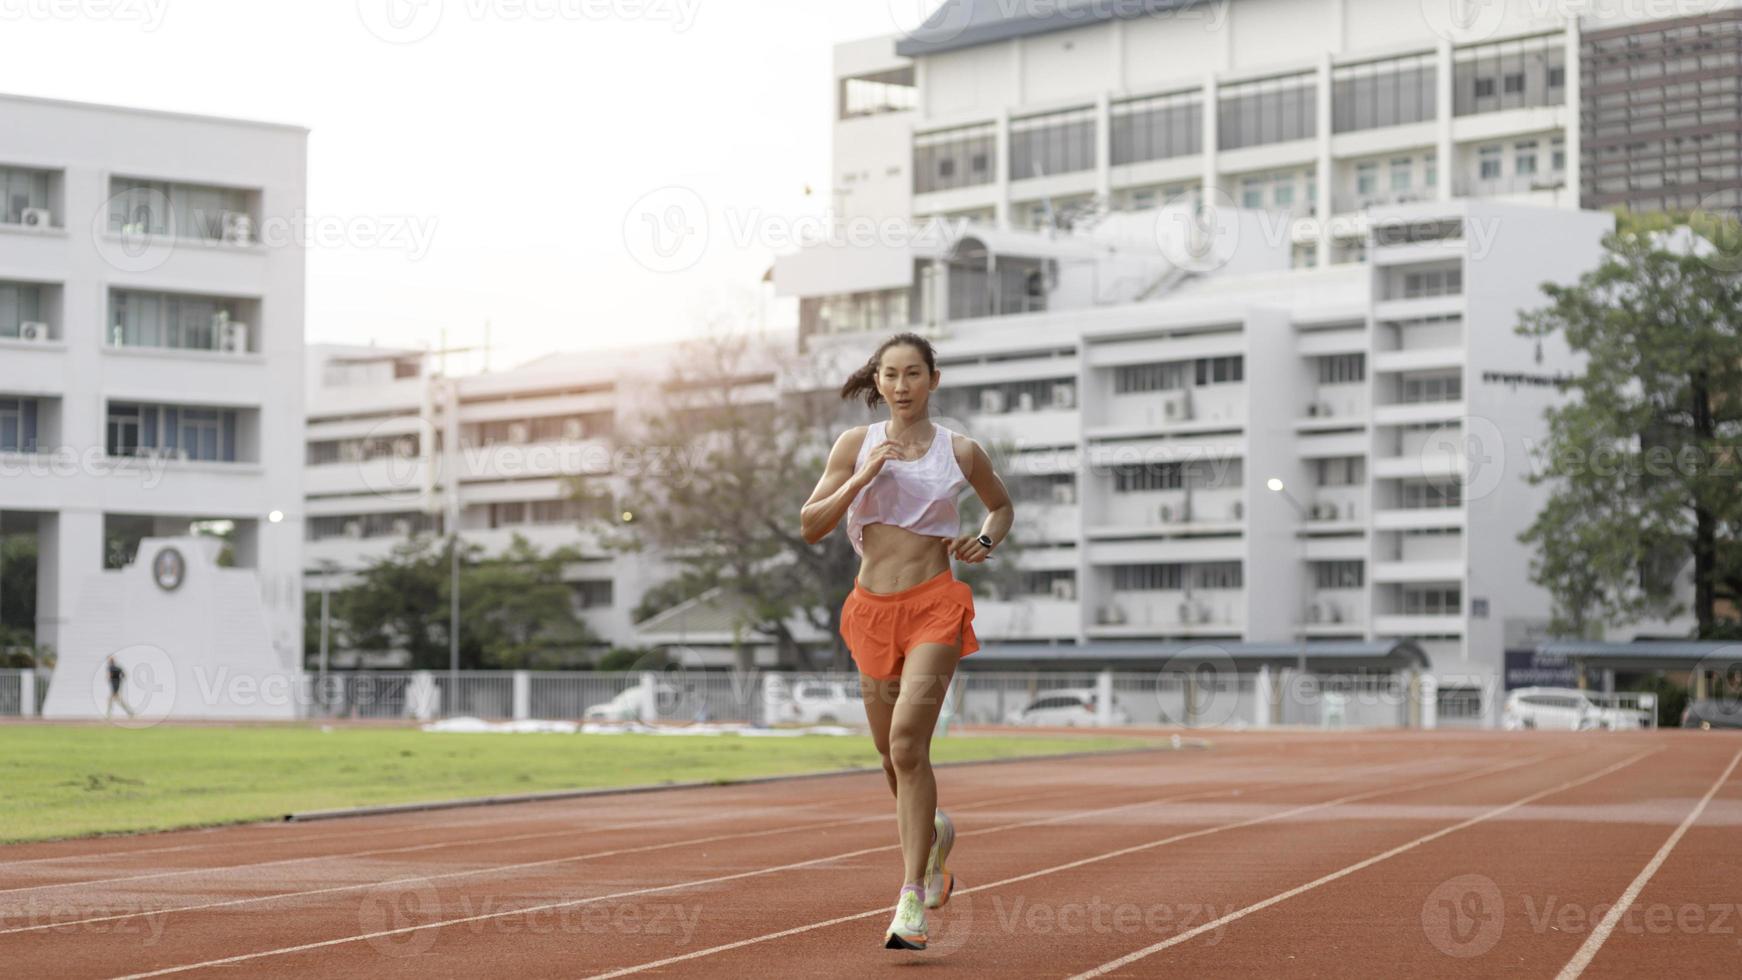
{"x":1641,"y":458}
{"x":516,"y":611}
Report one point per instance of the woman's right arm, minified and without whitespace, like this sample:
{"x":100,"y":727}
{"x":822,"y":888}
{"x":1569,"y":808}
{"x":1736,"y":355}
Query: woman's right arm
{"x":837,"y":488}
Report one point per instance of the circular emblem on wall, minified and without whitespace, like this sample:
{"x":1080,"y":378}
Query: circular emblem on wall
{"x":168,"y":569}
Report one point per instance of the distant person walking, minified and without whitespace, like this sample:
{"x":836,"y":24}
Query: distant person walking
{"x":117,"y":677}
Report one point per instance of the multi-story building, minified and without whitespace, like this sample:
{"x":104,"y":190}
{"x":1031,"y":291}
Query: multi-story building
{"x":151,"y":338}
{"x":395,"y":447}
{"x":1309,"y":109}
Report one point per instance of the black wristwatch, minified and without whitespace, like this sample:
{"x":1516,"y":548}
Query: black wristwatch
{"x":985,"y":542}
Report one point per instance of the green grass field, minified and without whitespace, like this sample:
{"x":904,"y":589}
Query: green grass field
{"x":79,"y":780}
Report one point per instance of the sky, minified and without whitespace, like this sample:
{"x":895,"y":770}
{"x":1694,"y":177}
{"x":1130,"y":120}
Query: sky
{"x":500,"y":161}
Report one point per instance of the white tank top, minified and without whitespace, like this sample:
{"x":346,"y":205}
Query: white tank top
{"x":917,"y":494}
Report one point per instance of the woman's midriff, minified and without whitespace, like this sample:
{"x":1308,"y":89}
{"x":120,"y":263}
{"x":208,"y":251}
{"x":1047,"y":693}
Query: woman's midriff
{"x":896,"y":558}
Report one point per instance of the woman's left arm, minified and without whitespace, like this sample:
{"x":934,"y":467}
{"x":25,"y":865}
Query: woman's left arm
{"x":1000,"y":512}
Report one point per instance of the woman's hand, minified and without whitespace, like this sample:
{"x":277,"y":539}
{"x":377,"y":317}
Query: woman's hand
{"x":874,"y":460}
{"x":968,"y":548}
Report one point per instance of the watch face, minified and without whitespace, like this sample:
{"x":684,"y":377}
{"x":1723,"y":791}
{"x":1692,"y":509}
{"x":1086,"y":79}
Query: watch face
{"x":168,"y":569}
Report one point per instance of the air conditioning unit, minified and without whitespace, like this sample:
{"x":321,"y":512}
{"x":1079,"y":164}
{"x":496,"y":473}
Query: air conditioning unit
{"x":1176,"y":407}
{"x":237,"y":228}
{"x":1312,"y":410}
{"x":1315,"y":613}
{"x":1325,"y":410}
{"x":991,"y":401}
{"x":234,"y":338}
{"x":351,"y":452}
{"x":1025,"y":401}
{"x":1165,"y":512}
{"x":573,"y":429}
{"x":1064,"y":588}
{"x":1185,"y":612}
{"x":1205,"y":614}
{"x":353,"y":529}
{"x":1238,"y":510}
{"x":1064,"y":396}
{"x":518,"y":432}
{"x":37,"y":218}
{"x":1330,"y":511}
{"x":405,"y":447}
{"x":1110,"y":615}
{"x":402,"y":528}
{"x":33,"y":332}
{"x":1064,"y":493}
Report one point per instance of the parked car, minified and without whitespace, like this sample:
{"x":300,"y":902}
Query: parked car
{"x":626,"y":706}
{"x":817,"y":702}
{"x":1561,"y":709}
{"x":1071,"y":707}
{"x":1713,"y":713}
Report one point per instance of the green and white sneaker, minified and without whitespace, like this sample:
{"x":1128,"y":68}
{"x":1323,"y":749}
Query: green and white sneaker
{"x":908,"y":929}
{"x":938,"y":880}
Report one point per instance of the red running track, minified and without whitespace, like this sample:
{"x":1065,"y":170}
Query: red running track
{"x":1269,"y":854}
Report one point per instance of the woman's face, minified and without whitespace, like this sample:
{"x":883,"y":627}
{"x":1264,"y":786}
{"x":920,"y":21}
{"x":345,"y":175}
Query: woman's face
{"x":904,"y":382}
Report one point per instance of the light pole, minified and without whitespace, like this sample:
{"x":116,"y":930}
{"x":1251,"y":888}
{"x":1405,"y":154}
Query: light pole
{"x":1275,"y":485}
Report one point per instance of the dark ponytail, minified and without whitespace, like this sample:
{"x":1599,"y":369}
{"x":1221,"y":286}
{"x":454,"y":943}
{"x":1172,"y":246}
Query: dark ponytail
{"x":864,"y":380}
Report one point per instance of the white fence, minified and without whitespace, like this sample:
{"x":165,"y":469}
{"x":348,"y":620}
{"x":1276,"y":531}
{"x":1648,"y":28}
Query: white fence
{"x":1204,"y":699}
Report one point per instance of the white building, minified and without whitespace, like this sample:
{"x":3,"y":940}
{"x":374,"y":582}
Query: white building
{"x":151,"y":336}
{"x":388,"y":456}
{"x":1420,"y":178}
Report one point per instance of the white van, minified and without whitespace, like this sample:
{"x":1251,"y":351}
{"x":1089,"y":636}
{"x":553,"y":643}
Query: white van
{"x":1560,"y":709}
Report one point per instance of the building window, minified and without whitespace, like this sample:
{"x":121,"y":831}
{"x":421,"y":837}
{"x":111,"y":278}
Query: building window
{"x":1524,"y":158}
{"x":1366,"y":178}
{"x":1056,"y":143}
{"x":1218,"y":575}
{"x":1342,"y":369}
{"x":593,"y":593}
{"x":21,"y":190}
{"x":878,"y":93}
{"x":1557,"y":149}
{"x":1432,"y":388}
{"x":953,"y":158}
{"x":1251,"y":193}
{"x":20,"y":303}
{"x":156,"y":207}
{"x":172,"y":320}
{"x":1488,"y":163}
{"x":1147,"y":578}
{"x":187,"y":432}
{"x":1133,"y":378}
{"x":1432,"y":166}
{"x":1342,"y":471}
{"x":1157,"y":128}
{"x":1147,"y":478}
{"x":1433,"y":282}
{"x":1510,"y":74}
{"x":1402,"y":173}
{"x":1337,"y":574}
{"x":1421,"y":495}
{"x":1430,"y":600}
{"x":18,"y":425}
{"x":1270,"y":110}
{"x":1221,"y":370}
{"x":1382,"y":93}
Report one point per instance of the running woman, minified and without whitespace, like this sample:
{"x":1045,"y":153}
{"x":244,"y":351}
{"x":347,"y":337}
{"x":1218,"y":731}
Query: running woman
{"x":908,"y":619}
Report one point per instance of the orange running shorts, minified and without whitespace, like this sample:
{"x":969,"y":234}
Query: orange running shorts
{"x":881,"y":627}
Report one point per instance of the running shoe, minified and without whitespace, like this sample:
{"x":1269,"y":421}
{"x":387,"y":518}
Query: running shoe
{"x":907,"y":931}
{"x":938,"y":880}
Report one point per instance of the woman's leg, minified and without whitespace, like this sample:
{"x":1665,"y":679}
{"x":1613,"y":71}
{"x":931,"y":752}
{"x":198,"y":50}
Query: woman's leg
{"x":879,"y":697}
{"x":925,"y":682}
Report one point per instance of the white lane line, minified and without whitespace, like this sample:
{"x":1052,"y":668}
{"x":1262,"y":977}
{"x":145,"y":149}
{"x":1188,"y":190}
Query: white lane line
{"x":494,"y":869}
{"x":884,"y":910}
{"x":1190,"y":934}
{"x":550,"y":906}
{"x":1599,"y":935}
